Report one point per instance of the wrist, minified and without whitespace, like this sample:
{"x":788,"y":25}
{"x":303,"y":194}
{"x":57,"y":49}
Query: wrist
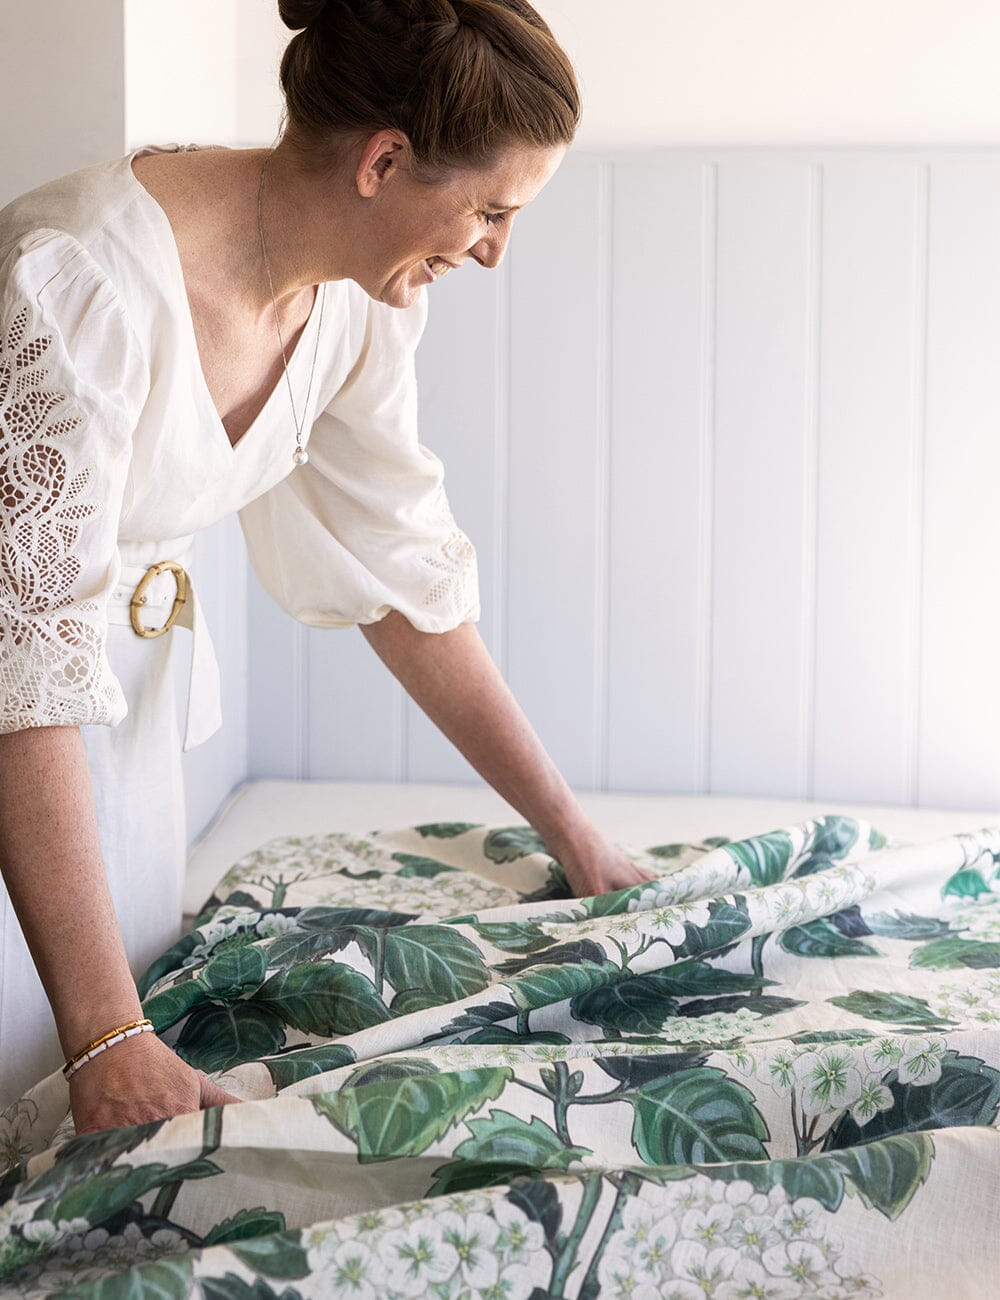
{"x":570,"y":835}
{"x":86,"y":1024}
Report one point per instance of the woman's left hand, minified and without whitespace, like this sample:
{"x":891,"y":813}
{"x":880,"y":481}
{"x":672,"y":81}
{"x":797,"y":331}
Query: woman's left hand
{"x":595,"y":866}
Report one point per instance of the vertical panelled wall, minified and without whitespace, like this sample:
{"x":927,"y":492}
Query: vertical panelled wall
{"x":725,"y":430}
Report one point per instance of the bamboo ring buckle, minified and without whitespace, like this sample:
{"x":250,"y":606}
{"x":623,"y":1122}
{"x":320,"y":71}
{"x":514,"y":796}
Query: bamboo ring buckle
{"x":139,"y":597}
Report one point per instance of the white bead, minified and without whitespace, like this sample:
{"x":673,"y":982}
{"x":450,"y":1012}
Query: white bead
{"x":300,"y":456}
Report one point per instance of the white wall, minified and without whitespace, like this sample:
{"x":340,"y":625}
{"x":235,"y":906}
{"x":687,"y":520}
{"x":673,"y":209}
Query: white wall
{"x":658,"y":73}
{"x":61,"y":89}
{"x":180,"y":71}
{"x":783,"y":72}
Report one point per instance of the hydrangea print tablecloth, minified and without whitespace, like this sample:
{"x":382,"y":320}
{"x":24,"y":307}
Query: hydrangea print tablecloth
{"x":773,"y":1073}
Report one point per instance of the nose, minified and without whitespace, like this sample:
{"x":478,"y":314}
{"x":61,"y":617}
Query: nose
{"x":489,"y":250}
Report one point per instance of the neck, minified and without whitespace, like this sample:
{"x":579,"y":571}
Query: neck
{"x":303,"y":224}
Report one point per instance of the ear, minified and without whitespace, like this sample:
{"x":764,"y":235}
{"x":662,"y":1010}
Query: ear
{"x":382,"y":155}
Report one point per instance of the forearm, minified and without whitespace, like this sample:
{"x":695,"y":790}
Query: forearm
{"x":51,"y":862}
{"x":452,"y":677}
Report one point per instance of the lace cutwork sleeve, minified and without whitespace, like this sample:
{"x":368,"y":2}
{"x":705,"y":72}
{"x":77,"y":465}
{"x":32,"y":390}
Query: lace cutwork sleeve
{"x":65,"y":440}
{"x":365,"y":527}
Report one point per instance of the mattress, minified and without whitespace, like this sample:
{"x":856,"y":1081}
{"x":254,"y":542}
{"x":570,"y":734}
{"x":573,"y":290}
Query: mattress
{"x":257,"y":811}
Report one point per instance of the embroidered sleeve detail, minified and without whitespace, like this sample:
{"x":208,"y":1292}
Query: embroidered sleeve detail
{"x":53,"y":665}
{"x":455,"y":594}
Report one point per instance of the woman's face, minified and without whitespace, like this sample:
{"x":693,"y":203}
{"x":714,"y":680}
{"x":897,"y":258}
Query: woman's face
{"x":467,"y":217}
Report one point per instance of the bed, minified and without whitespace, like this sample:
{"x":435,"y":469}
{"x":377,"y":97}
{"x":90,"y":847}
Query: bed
{"x":775,"y":1071}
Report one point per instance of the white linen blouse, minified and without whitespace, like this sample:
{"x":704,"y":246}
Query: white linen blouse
{"x":113,"y":453}
{"x":113,"y":457}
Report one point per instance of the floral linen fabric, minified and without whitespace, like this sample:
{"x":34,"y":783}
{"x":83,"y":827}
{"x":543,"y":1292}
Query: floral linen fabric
{"x":774,"y":1072}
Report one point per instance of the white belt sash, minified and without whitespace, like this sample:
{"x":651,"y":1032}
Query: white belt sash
{"x":204,"y":702}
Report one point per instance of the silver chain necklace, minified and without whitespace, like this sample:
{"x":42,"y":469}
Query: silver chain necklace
{"x":299,"y":456}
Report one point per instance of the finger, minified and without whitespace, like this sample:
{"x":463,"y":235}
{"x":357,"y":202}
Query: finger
{"x":213,"y":1095}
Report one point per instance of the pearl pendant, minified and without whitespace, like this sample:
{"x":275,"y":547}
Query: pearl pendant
{"x":300,"y":456}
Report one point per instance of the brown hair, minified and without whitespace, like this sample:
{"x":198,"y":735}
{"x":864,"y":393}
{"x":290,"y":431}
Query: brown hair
{"x":461,"y":79}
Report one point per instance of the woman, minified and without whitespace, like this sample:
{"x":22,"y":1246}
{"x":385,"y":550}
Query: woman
{"x":192,"y":332}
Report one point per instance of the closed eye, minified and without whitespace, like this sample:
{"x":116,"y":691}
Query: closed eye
{"x":494,"y":218}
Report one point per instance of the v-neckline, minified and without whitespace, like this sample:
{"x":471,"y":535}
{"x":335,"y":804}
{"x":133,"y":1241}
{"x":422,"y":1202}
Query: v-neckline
{"x":170,"y":241}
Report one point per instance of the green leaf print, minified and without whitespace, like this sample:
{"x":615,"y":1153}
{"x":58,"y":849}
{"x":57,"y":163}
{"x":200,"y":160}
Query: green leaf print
{"x":508,"y":843}
{"x":232,"y":1287}
{"x":952,"y":953}
{"x":306,"y":1062}
{"x":815,"y":1177}
{"x":291,"y":949}
{"x":887,"y":1175}
{"x":667,"y":850}
{"x":332,"y":918}
{"x":161,"y":1279}
{"x":507,"y":1142}
{"x":447,"y":830}
{"x":421,"y":868}
{"x":245,"y":1223}
{"x":894,"y":1008}
{"x":727,"y":921}
{"x":541,"y":986}
{"x":636,"y":1071}
{"x":218,"y":1037}
{"x":402,"y":1118}
{"x":822,"y":938}
{"x":696,"y":1116}
{"x":832,"y":840}
{"x":280,"y":1255}
{"x":234,"y":972}
{"x":700,"y":979}
{"x":966,"y":883}
{"x":390,"y":1069}
{"x":906,"y":925}
{"x":498,"y":1034}
{"x":170,"y":1005}
{"x":513,"y":936}
{"x":967,"y":1092}
{"x":101,"y":1197}
{"x":766,"y":857}
{"x":323,"y":997}
{"x":638,"y":1005}
{"x":436,"y":960}
{"x":763,"y":1004}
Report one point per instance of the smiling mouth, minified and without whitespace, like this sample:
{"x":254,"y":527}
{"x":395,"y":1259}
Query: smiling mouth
{"x":438,"y":266}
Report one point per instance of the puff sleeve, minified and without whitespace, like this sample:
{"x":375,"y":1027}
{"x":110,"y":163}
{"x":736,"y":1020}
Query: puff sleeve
{"x":68,"y":363}
{"x":365,"y":526}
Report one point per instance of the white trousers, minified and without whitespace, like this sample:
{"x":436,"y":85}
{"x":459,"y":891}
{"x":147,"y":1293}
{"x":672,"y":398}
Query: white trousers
{"x":138,"y":791}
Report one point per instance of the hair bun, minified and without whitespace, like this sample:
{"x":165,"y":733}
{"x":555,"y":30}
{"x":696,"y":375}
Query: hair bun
{"x":297,"y":14}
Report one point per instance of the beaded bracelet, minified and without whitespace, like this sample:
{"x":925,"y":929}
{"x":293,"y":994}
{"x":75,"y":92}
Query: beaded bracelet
{"x":102,"y":1044}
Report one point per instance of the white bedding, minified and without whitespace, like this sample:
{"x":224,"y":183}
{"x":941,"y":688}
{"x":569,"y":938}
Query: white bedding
{"x":261,"y":810}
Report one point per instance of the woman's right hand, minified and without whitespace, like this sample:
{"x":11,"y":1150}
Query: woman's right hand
{"x":136,"y":1081}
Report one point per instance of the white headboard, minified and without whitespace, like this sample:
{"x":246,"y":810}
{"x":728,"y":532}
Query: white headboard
{"x":725,"y":430}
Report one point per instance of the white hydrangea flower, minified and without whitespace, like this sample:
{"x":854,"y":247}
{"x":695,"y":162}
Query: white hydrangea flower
{"x":883,"y":1053}
{"x":371,"y":1225}
{"x":275,"y":924}
{"x":921,"y":1063}
{"x":418,"y":1257}
{"x":44,"y":1232}
{"x":829,"y":1080}
{"x":777,"y":1069}
{"x":474,"y":1237}
{"x":350,"y":1269}
{"x":802,"y":1262}
{"x":874,"y":1096}
{"x":521,"y":1240}
{"x":751,"y":1281}
{"x":692,"y":1261}
{"x":624,"y":1277}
